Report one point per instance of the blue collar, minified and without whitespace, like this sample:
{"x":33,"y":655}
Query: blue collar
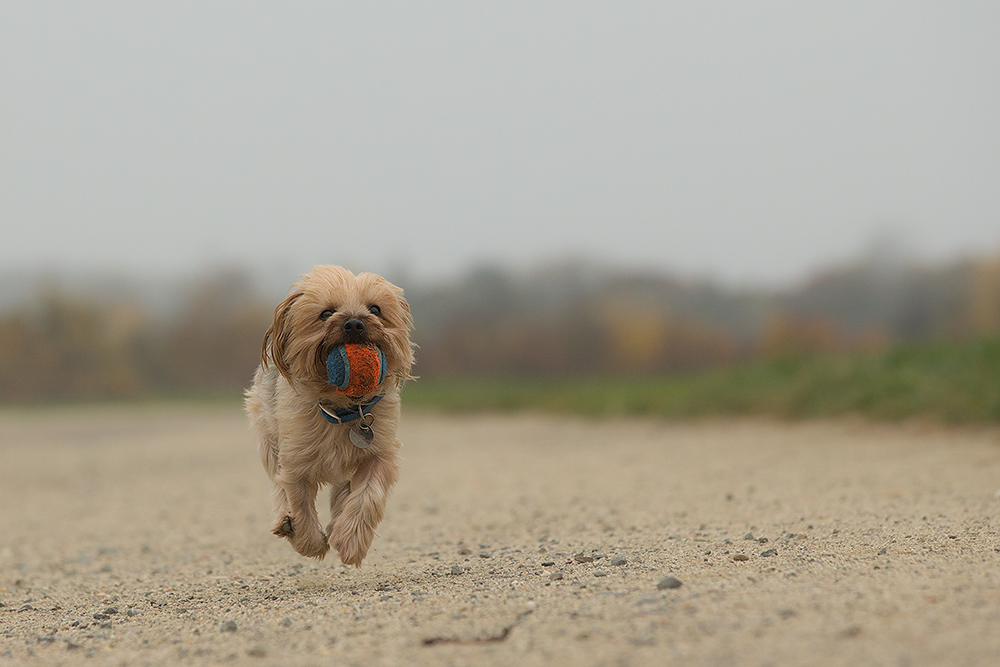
{"x":345,"y":415}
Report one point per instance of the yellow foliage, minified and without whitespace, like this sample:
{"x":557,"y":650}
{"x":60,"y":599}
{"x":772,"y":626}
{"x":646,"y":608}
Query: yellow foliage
{"x":984,"y":300}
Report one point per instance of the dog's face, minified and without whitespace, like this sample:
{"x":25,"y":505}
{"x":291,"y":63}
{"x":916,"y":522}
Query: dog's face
{"x":330,"y":306}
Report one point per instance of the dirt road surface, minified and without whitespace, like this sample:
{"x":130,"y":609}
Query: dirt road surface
{"x":134,"y":536}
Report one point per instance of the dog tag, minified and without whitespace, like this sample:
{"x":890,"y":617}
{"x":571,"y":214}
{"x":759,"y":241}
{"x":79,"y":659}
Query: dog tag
{"x":362,"y":436}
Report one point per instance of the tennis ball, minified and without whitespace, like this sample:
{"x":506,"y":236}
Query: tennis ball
{"x":355,"y":369}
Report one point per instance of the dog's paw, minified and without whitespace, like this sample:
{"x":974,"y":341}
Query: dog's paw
{"x":351,"y":541}
{"x":284,"y":528}
{"x":309,"y":541}
{"x":311,"y":548}
{"x":316,"y":549}
{"x":351,"y":552}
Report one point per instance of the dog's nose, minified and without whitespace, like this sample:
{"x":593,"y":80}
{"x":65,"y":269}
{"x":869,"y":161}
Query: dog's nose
{"x":354,"y":326}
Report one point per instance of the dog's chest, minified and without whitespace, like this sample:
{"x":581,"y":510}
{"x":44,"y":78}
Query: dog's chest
{"x":338,"y":456}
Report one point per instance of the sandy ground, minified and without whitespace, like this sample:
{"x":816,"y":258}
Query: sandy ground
{"x":140,"y":536}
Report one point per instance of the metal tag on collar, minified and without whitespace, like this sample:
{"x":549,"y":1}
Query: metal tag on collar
{"x":362,"y":433}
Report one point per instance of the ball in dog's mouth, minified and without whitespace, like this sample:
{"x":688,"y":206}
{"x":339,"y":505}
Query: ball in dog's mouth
{"x":355,"y":369}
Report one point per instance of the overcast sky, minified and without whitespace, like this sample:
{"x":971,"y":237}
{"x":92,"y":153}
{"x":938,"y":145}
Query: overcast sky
{"x":752,"y":141}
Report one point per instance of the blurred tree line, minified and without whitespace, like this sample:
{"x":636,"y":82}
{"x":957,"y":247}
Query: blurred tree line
{"x":565,"y":320}
{"x":63,"y":346}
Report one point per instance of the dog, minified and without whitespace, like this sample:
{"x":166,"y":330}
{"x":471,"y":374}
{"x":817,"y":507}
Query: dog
{"x":304,"y":425}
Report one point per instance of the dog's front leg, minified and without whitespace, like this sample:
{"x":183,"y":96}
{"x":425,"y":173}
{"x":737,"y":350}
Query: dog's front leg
{"x":301,"y":525}
{"x":362,"y":509}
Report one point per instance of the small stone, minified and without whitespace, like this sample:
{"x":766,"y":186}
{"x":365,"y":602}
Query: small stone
{"x":287,"y":622}
{"x":767,"y":553}
{"x":486,"y":554}
{"x":548,"y":563}
{"x":786,"y":613}
{"x":101,"y":617}
{"x":582,"y":558}
{"x":26,"y":607}
{"x":71,"y":645}
{"x":556,"y":576}
{"x":619,"y":560}
{"x":881,"y":552}
{"x":229,"y":626}
{"x":741,"y":557}
{"x":600,"y":573}
{"x":762,"y":540}
{"x":111,"y":610}
{"x":457,"y":569}
{"x":668,"y":582}
{"x":132,"y":612}
{"x":257,"y":652}
{"x":749,"y":536}
{"x":850,"y":632}
{"x":464,"y":551}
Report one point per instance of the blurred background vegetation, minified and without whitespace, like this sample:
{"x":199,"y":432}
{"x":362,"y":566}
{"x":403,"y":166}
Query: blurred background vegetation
{"x":875,"y":337}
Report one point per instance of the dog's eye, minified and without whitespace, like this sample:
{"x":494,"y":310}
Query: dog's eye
{"x":375,"y":310}
{"x":326,"y":314}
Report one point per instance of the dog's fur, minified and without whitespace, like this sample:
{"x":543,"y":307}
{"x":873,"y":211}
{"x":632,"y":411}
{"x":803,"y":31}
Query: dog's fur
{"x":300,"y":449}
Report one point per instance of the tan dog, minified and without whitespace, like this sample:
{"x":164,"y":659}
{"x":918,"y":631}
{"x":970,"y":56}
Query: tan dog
{"x":301,"y":447}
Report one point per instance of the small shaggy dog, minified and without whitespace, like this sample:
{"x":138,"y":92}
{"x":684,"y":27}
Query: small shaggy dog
{"x":308,"y":430}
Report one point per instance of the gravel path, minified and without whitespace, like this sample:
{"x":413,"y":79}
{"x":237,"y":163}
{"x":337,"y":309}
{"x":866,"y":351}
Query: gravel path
{"x":140,"y":536}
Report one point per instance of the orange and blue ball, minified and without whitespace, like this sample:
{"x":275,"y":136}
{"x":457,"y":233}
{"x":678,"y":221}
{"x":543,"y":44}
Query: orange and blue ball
{"x":355,"y":369}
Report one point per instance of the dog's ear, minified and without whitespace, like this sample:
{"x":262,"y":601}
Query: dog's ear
{"x":407,"y":317}
{"x":402,"y":347}
{"x":276,"y":337}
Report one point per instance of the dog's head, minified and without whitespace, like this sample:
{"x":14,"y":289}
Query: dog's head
{"x":329,"y":306}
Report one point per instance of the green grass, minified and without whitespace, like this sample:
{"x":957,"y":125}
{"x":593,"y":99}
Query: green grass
{"x":955,"y":383}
